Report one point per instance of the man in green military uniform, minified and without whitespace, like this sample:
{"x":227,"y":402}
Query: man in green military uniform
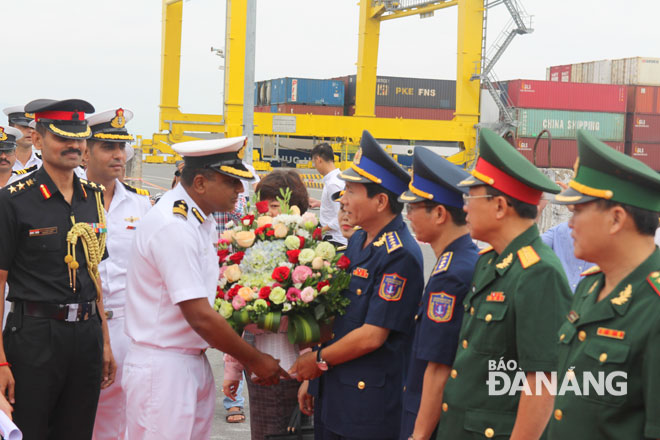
{"x":514,"y":307}
{"x":612,"y":332}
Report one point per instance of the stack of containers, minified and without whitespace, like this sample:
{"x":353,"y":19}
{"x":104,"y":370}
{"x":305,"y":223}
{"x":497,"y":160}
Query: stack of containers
{"x":563,"y":108}
{"x":643,"y":125}
{"x":628,"y":71}
{"x":300,"y":96}
{"x":407,"y":98}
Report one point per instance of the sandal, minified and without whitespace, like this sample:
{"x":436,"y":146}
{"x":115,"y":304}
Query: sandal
{"x":236,"y":413}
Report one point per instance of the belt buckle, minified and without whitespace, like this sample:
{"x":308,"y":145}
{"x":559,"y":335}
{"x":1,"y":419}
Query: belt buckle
{"x":109,"y":314}
{"x":72,"y":315}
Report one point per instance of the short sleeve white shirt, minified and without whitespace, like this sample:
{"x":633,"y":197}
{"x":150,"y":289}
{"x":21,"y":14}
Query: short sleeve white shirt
{"x":172,"y":260}
{"x":329,"y":208}
{"x":33,"y":160}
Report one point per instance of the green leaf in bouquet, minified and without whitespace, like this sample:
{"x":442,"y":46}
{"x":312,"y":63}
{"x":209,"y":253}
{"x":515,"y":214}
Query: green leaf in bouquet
{"x":319,"y":311}
{"x":270,"y":321}
{"x":303,"y":329}
{"x":241,"y":318}
{"x":284,"y":200}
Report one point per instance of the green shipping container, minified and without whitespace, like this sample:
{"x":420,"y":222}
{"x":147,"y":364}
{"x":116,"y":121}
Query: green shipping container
{"x":564,"y":124}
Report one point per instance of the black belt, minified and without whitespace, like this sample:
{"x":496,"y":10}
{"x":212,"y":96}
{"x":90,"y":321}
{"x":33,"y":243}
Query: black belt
{"x":62,"y":312}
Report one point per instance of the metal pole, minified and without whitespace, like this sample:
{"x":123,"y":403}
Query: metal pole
{"x":248,"y":91}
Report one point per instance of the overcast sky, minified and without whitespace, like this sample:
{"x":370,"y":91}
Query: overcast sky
{"x":108,"y":52}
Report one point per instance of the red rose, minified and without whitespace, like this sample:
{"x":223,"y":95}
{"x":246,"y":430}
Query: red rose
{"x":237,"y":257}
{"x":343,"y":262}
{"x":264,"y":292}
{"x":321,"y":284}
{"x":259,"y":231}
{"x":270,"y":233}
{"x":262,"y":207}
{"x":316,"y":235}
{"x":222,"y":254}
{"x":249,"y":218}
{"x":231,"y":293}
{"x":281,"y":274}
{"x":302,"y":242}
{"x":219,"y":293}
{"x":293,"y":255}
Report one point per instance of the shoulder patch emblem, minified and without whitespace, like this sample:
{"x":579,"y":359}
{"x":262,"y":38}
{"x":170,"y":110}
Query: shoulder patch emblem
{"x":610,"y":333}
{"x":485,"y":250}
{"x":441,"y":307}
{"x":654,"y":281}
{"x":180,"y":208}
{"x":592,"y":270}
{"x":198,"y":215}
{"x":528,"y":257}
{"x":393,"y":242}
{"x":443,"y":263}
{"x":140,"y":191}
{"x":391,"y":287}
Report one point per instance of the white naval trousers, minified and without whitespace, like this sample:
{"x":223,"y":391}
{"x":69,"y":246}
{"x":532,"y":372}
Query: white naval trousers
{"x":110,"y":423}
{"x":170,"y":395}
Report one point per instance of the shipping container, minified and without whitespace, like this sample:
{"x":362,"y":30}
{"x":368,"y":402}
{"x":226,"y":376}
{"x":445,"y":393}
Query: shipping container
{"x":643,"y":99}
{"x":642,"y":127}
{"x":303,"y":109}
{"x":437,"y":114}
{"x":560,"y":73}
{"x":262,"y":108}
{"x":564,"y":124}
{"x":568,"y":96}
{"x":647,"y":153}
{"x":636,"y":71}
{"x":392,"y":91}
{"x":306,"y":91}
{"x":563,"y":152}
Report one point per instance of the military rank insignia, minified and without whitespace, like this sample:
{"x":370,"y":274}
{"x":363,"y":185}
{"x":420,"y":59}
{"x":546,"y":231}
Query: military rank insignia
{"x":443,"y":263}
{"x":361,"y":272}
{"x":180,"y":209}
{"x":391,"y":287}
{"x":3,"y":135}
{"x":528,"y":257}
{"x":610,"y":333}
{"x":441,"y":307}
{"x":393,"y":242}
{"x":119,"y":121}
{"x":496,"y":297}
{"x":654,"y":281}
{"x":198,"y":215}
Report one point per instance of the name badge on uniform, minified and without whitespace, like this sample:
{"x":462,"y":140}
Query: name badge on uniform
{"x":441,"y":307}
{"x":496,"y":297}
{"x":361,"y":272}
{"x":391,"y":287}
{"x":42,"y":231}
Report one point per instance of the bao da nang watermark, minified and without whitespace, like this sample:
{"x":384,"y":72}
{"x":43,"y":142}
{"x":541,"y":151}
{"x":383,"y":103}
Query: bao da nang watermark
{"x":504,"y":377}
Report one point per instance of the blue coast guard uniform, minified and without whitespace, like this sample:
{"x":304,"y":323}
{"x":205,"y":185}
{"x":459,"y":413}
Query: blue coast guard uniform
{"x":439,"y":314}
{"x":362,"y":398}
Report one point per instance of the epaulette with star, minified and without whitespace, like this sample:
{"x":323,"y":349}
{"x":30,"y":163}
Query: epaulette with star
{"x":528,"y":257}
{"x":591,"y":271}
{"x":140,"y":191}
{"x":20,"y":186}
{"x":180,"y":209}
{"x":92,"y":185}
{"x":27,"y":170}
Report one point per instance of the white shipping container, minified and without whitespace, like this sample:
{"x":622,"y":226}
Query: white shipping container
{"x":602,"y":72}
{"x":547,"y":74}
{"x":489,"y":112}
{"x":618,"y":71}
{"x":642,"y":71}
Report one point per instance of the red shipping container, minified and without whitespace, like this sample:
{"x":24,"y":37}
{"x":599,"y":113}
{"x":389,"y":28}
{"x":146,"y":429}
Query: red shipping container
{"x":563,"y":152}
{"x":606,"y":98}
{"x":302,"y":109}
{"x":560,"y":73}
{"x":643,"y":99}
{"x":437,"y":114}
{"x":642,"y":127}
{"x":262,"y":108}
{"x":647,"y":153}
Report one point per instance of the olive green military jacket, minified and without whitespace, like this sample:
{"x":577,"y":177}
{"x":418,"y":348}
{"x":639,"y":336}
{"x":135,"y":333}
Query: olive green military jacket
{"x":516,"y":304}
{"x":617,"y":336}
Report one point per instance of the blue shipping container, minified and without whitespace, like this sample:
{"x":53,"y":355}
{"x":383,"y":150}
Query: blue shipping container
{"x":307,"y":91}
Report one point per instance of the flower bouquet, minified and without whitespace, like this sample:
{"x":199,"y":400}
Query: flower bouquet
{"x":275,"y":272}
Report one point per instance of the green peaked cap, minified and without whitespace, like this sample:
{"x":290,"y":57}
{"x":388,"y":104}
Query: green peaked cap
{"x":501,"y":166}
{"x":604,"y":173}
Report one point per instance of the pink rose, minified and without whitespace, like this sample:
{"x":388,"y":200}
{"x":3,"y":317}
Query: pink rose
{"x":238,"y":302}
{"x":307,"y":294}
{"x":293,"y":294}
{"x":301,"y":273}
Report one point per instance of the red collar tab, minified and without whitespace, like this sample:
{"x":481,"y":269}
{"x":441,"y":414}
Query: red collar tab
{"x":507,"y":184}
{"x":60,"y":116}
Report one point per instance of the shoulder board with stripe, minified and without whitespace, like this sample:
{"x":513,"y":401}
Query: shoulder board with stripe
{"x":140,"y":191}
{"x":528,"y":257}
{"x":590,"y":271}
{"x":26,"y":170}
{"x":341,"y":248}
{"x":92,"y":185}
{"x":180,"y":209}
{"x":654,"y":281}
{"x":393,"y":242}
{"x":485,"y":250}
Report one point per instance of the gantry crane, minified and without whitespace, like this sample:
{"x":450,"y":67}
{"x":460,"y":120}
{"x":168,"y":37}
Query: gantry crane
{"x":176,"y":126}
